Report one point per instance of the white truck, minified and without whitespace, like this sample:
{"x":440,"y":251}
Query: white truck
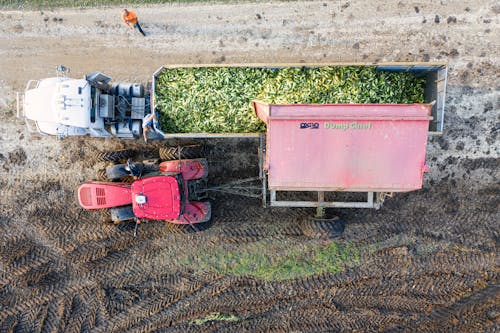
{"x":63,"y":106}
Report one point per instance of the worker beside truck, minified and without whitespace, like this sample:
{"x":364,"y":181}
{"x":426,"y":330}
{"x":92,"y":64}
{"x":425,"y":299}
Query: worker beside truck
{"x":149,"y":123}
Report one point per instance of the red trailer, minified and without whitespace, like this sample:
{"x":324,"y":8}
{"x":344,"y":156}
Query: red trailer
{"x":372,"y":148}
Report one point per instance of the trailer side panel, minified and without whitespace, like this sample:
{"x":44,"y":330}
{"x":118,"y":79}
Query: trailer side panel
{"x":369,"y":148}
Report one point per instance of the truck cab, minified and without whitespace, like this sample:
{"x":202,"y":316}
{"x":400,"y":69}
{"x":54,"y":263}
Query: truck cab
{"x":63,"y":106}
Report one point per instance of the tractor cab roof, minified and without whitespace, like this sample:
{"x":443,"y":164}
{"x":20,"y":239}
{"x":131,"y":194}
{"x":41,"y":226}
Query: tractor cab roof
{"x":156,"y":198}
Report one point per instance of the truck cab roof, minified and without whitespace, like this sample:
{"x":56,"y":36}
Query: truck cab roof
{"x":59,"y":101}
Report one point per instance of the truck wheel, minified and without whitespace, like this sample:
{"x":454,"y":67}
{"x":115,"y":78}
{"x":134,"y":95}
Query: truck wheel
{"x":323,"y":227}
{"x":114,"y":156}
{"x":181,"y":152}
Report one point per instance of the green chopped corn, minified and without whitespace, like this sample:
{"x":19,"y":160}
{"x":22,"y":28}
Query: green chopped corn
{"x":218,"y":99}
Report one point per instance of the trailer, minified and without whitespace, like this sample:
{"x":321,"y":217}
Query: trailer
{"x":434,"y":75}
{"x":326,"y":149}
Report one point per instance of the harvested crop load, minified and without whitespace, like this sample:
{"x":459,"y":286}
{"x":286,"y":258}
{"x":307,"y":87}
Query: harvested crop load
{"x":218,"y":99}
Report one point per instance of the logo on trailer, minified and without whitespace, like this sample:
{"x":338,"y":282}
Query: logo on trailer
{"x":344,"y":126}
{"x":309,"y":125}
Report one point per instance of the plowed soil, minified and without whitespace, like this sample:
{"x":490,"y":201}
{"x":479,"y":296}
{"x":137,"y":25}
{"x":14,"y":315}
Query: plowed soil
{"x":427,"y":260}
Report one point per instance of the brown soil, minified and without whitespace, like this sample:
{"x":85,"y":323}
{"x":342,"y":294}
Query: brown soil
{"x":429,"y":258}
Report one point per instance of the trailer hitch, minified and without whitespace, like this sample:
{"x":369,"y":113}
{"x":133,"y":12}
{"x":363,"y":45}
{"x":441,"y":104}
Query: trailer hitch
{"x":248,"y":187}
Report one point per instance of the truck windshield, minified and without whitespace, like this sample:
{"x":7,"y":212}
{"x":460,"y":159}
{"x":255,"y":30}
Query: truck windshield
{"x":93,"y":104}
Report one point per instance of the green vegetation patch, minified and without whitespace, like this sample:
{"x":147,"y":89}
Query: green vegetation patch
{"x":279,"y":261}
{"x":218,"y":99}
{"x":215,"y":317}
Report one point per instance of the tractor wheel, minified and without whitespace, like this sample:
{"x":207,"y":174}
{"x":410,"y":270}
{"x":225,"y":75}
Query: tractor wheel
{"x":105,"y":216}
{"x":150,"y":166}
{"x":122,"y":214}
{"x":323,"y":227}
{"x":114,"y":156}
{"x":187,"y":228}
{"x":117,"y":172}
{"x":181,"y":152}
{"x":101,"y":175}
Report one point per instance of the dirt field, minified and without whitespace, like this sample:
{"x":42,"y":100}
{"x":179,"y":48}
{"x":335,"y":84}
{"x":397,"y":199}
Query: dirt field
{"x":427,"y":261}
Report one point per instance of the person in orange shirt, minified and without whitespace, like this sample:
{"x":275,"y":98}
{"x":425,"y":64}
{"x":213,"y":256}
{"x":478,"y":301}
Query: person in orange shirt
{"x":130,"y":19}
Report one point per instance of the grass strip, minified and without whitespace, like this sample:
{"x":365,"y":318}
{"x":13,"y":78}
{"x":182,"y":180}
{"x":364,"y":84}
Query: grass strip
{"x":279,"y":261}
{"x":217,"y":316}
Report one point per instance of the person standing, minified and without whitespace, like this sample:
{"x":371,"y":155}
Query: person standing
{"x":148,"y":124}
{"x":130,"y":19}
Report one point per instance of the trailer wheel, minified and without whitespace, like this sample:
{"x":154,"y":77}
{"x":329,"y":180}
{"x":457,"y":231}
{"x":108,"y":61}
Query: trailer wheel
{"x":114,"y":156}
{"x":181,"y":152}
{"x":323,"y":227}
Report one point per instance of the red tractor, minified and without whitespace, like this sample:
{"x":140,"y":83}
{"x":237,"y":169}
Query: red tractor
{"x":173,"y":191}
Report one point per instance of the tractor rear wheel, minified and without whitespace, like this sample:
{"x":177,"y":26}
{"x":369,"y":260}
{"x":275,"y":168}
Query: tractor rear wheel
{"x":101,"y":175}
{"x":114,"y":156}
{"x":187,"y":228}
{"x":181,"y":152}
{"x":122,"y":214}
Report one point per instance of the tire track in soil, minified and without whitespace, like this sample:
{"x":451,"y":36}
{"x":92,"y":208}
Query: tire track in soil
{"x":40,"y":296}
{"x":349,"y":302}
{"x":153,"y":307}
{"x":256,"y":288}
{"x":480,"y":306}
{"x":472,"y":227}
{"x":107,"y":260}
